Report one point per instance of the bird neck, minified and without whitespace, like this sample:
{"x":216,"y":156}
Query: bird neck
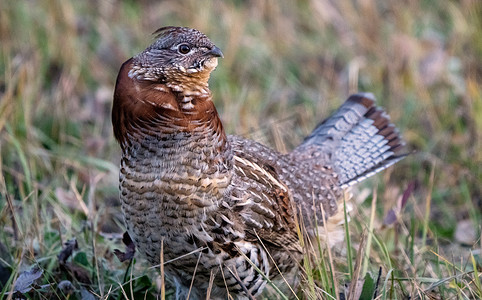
{"x":145,"y":108}
{"x":195,"y":85}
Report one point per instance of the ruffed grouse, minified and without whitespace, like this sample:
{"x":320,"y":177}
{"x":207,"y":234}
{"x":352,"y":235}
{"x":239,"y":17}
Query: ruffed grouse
{"x":224,"y":205}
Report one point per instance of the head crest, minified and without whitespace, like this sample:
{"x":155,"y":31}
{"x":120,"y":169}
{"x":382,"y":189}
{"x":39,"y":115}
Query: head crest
{"x":163,"y":31}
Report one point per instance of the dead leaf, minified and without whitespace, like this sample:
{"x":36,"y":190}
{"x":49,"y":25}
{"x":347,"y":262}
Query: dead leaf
{"x":390,"y":218}
{"x":86,"y":295}
{"x":130,"y":248}
{"x":66,"y":287}
{"x":465,"y":232}
{"x":26,"y":279}
{"x":408,"y":191}
{"x":75,"y":271}
{"x":392,"y":215}
{"x":70,"y":246}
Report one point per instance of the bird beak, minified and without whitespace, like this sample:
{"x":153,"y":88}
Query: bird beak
{"x":216,"y":52}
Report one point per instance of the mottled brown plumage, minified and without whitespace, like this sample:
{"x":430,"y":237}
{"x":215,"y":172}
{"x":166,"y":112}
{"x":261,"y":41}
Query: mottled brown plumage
{"x":224,"y":203}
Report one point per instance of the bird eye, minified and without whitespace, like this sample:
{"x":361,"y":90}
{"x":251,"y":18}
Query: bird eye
{"x":184,"y":48}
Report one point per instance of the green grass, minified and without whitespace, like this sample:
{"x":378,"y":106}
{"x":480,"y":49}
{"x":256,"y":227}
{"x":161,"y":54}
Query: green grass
{"x":287,"y":65}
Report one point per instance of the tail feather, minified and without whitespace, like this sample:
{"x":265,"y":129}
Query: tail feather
{"x":358,"y":141}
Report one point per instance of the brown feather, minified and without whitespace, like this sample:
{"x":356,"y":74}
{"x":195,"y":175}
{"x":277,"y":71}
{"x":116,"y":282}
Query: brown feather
{"x":154,"y":106}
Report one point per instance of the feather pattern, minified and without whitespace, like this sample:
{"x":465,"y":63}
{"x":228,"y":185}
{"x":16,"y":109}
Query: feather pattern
{"x":220,"y":206}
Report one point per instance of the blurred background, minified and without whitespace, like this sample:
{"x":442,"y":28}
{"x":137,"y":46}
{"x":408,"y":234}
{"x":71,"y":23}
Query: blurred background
{"x":287,"y":65}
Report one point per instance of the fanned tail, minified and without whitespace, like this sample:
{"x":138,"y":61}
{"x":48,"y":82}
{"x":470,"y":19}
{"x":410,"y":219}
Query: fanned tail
{"x":358,"y":141}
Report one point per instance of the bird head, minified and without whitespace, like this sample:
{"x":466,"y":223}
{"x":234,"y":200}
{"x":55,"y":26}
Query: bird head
{"x":164,"y":89}
{"x":182,"y":58}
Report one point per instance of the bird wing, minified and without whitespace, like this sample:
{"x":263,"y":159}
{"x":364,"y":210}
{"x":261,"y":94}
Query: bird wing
{"x":261,"y":197}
